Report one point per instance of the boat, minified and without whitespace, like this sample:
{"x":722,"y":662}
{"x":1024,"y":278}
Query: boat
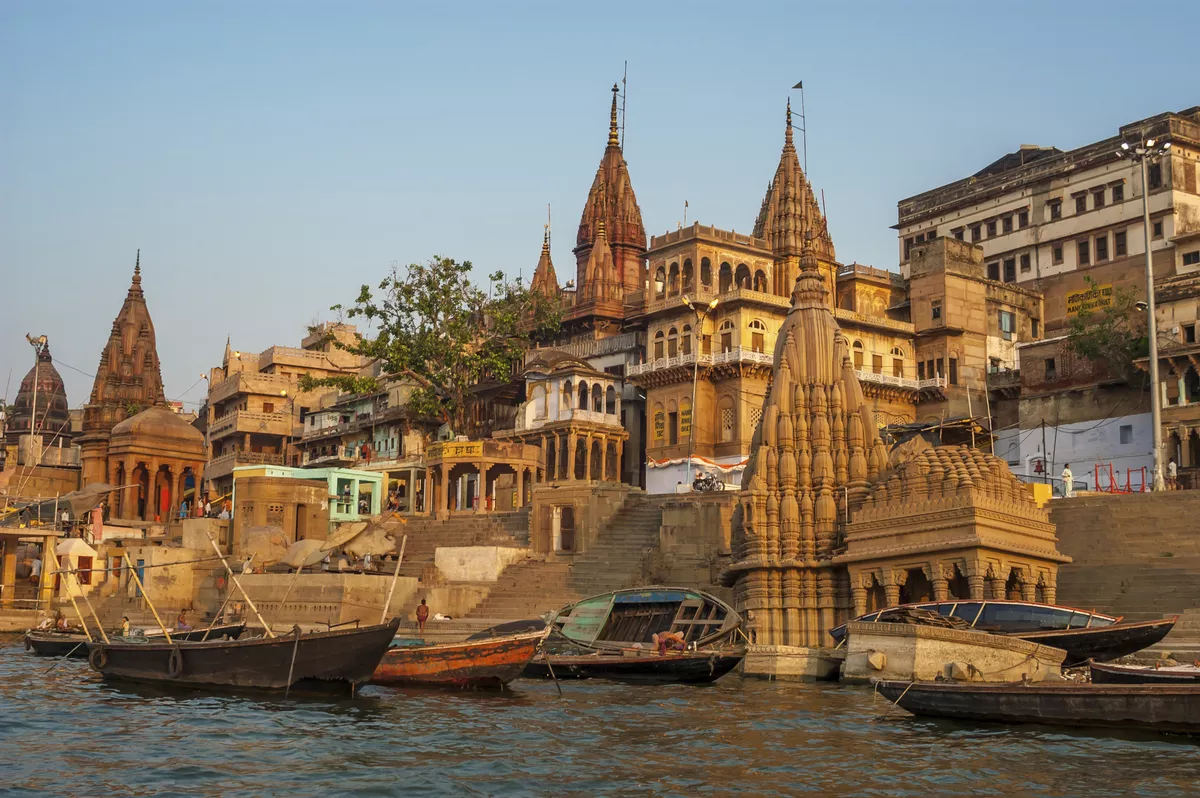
{"x":316,"y":660}
{"x":48,"y":643}
{"x":1144,"y":674}
{"x":614,"y":636}
{"x":644,"y":667}
{"x":1160,"y":708}
{"x":1082,"y":634}
{"x":489,"y":662}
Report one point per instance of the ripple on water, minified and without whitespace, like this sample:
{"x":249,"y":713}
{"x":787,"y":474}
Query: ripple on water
{"x":733,"y":737}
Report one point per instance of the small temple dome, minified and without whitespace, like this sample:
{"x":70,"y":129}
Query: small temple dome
{"x":159,"y":423}
{"x":949,"y":470}
{"x":53,"y":413}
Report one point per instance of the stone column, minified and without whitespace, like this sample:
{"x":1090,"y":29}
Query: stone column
{"x":941,"y":585}
{"x":520,"y":502}
{"x":46,"y":581}
{"x":1185,"y":455}
{"x":1050,"y":589}
{"x":1028,"y":589}
{"x":571,"y":444}
{"x":481,"y":489}
{"x":975,"y":580}
{"x":859,"y":593}
{"x":8,"y":572}
{"x":620,"y":447}
{"x":445,"y":508}
{"x":891,"y":589}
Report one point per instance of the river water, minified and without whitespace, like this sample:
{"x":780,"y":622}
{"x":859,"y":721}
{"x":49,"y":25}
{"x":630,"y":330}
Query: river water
{"x":70,"y":733}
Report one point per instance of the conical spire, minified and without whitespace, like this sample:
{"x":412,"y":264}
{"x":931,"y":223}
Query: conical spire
{"x":789,"y":210}
{"x":787,"y":136}
{"x":135,"y":287}
{"x":544,"y":278}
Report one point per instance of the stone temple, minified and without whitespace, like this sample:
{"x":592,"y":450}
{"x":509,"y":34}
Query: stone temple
{"x":823,"y":500}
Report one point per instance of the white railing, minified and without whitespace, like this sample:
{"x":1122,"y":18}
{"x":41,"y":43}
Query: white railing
{"x":887,"y":379}
{"x":737,"y":355}
{"x":933,"y":382}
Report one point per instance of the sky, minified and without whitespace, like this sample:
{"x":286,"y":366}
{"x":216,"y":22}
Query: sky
{"x":270,"y":157}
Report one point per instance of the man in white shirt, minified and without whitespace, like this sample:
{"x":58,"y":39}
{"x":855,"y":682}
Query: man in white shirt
{"x":1068,"y":482}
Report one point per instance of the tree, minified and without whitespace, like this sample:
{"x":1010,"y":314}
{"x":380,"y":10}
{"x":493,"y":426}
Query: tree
{"x":435,"y":326}
{"x":1114,"y":335}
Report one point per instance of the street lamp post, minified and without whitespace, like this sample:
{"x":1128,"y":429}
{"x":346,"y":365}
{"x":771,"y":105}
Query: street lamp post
{"x":701,"y":312}
{"x":1140,"y":152}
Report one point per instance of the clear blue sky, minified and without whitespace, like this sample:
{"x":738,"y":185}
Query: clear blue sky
{"x":269,"y":157}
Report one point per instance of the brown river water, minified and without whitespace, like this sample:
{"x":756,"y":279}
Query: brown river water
{"x":70,"y":733}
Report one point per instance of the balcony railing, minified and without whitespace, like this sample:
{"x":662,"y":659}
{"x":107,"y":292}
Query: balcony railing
{"x":736,"y":355}
{"x":888,"y":379}
{"x":702,"y":295}
{"x":877,"y":321}
{"x":223,"y":465}
{"x":244,"y":421}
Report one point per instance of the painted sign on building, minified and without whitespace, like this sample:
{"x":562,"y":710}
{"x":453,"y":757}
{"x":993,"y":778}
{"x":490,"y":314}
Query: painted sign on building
{"x":455,"y":449}
{"x":1094,"y":297}
{"x":660,"y":425}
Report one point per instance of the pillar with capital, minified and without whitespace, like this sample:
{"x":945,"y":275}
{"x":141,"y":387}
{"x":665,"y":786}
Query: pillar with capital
{"x":571,"y":444}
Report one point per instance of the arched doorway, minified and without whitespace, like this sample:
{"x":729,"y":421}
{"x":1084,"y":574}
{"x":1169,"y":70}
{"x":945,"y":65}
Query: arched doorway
{"x":597,"y":464}
{"x":141,"y":478}
{"x":163,"y":496}
{"x":581,"y":454}
{"x":916,"y":588}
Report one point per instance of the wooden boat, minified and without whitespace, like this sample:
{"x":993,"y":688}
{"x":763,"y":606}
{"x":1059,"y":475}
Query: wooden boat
{"x":1082,"y":634}
{"x":317,"y":660}
{"x":692,"y":667}
{"x":1144,"y":674}
{"x":491,"y":662}
{"x":612,"y":636}
{"x":1162,"y":708}
{"x":628,"y":618}
{"x":47,"y":643}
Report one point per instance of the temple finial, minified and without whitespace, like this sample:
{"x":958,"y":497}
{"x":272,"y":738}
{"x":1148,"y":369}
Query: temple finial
{"x":613,"y":139}
{"x":788,"y":134}
{"x":137,"y":268}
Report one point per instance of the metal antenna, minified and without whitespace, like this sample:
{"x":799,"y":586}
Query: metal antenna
{"x":624,"y":94}
{"x":803,"y":126}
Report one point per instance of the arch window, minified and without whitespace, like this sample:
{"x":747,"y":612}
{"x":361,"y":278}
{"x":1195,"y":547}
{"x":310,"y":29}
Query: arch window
{"x":539,"y":401}
{"x":567,"y":394}
{"x":726,"y":277}
{"x":897,"y":362}
{"x":673,"y":279}
{"x":858,"y":355}
{"x":610,"y":400}
{"x":583,"y":396}
{"x":672,"y":423}
{"x":598,"y":398}
{"x":760,"y":281}
{"x":726,"y":331}
{"x":758,"y":335}
{"x":706,"y":272}
{"x":660,"y":281}
{"x":685,"y":341}
{"x":743,"y":276}
{"x":689,"y":276}
{"x":672,"y":342}
{"x":658,"y":345}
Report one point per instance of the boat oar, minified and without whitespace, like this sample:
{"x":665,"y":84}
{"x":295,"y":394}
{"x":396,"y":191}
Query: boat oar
{"x":395,"y":577}
{"x":233,"y":576}
{"x":62,"y":659}
{"x":142,"y":588}
{"x":550,"y":668}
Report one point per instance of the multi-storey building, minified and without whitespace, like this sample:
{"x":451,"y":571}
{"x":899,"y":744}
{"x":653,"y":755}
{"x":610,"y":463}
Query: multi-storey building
{"x":1050,"y":219}
{"x":255,"y":408}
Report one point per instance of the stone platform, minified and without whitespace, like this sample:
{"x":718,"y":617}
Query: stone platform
{"x":792,"y":663}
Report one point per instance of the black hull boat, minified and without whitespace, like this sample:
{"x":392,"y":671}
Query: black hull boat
{"x":1082,"y":634}
{"x":1145,"y":674}
{"x":320,"y":660}
{"x":1105,"y":643}
{"x":701,"y":667}
{"x":1168,"y":708}
{"x":61,"y":644}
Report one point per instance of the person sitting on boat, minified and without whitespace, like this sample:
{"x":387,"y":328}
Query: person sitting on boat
{"x":124,"y":626}
{"x":668,"y":641}
{"x":181,"y":623}
{"x":60,"y":622}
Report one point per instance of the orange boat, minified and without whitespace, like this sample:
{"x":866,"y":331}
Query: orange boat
{"x":492,"y":662}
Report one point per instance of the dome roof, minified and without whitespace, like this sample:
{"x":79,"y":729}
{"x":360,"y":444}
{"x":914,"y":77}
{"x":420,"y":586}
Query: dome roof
{"x":53,"y":413}
{"x":159,"y":422}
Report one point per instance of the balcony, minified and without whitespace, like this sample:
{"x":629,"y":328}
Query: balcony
{"x":1006,"y":382}
{"x":702,"y":295}
{"x":890,"y":380}
{"x":250,"y":382}
{"x":738,"y":355}
{"x":242,"y":421}
{"x":841,"y":314}
{"x":223,"y":466}
{"x":342,"y":455}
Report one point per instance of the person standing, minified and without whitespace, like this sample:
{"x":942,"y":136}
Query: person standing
{"x":66,"y":521}
{"x":1068,"y":482}
{"x":1172,"y":473}
{"x":422,"y":616}
{"x":124,"y":626}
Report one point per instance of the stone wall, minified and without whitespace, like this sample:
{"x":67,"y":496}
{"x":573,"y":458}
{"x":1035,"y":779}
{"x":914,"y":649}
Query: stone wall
{"x":593,"y":504}
{"x":31,"y":482}
{"x":693,"y":544}
{"x":475,"y":563}
{"x":320,"y":598}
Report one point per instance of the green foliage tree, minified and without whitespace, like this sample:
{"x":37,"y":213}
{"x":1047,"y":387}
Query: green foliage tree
{"x":1114,"y":335}
{"x":432,"y":324}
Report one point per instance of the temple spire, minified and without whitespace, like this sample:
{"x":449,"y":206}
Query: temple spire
{"x":137,"y":267}
{"x":613,"y":139}
{"x":787,"y":137}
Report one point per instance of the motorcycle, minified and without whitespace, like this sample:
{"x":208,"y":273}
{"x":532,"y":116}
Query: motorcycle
{"x":706,"y":483}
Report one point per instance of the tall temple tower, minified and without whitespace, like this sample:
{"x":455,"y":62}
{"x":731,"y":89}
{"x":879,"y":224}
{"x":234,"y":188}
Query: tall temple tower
{"x":610,"y":247}
{"x":545,"y":281}
{"x":128,"y":379}
{"x":789,"y":217}
{"x":816,"y":451}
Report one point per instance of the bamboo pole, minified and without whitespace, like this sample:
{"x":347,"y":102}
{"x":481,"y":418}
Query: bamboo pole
{"x":86,"y":631}
{"x":88,"y":602}
{"x":233,"y":577}
{"x":288,"y":592}
{"x":395,"y":577}
{"x":133,"y":572}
